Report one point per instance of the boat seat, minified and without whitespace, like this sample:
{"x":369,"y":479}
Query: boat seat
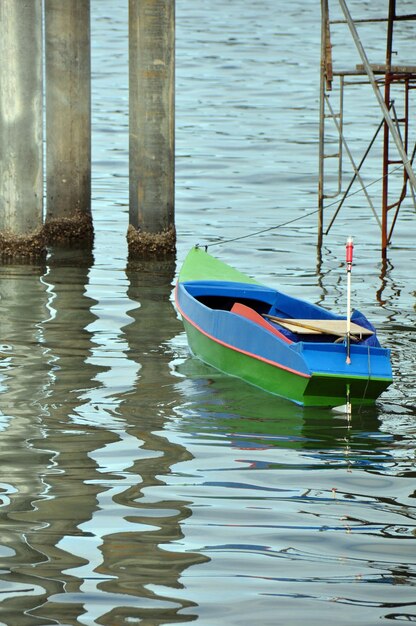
{"x":323,"y":326}
{"x":251,"y":314}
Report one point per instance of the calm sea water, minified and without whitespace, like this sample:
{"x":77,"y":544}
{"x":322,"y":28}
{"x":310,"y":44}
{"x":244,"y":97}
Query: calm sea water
{"x":139,"y":486}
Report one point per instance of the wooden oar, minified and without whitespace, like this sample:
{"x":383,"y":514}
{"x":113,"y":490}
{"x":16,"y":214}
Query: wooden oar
{"x":325,"y":327}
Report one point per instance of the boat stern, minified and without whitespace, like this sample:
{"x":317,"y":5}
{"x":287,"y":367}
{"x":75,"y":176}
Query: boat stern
{"x":333,"y":378}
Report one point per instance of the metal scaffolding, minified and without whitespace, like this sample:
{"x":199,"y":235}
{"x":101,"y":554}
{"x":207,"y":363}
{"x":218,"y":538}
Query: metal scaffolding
{"x":394,"y":127}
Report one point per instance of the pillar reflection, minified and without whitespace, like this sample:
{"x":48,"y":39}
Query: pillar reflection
{"x":146,"y":560}
{"x":47,"y":457}
{"x":91,"y":529}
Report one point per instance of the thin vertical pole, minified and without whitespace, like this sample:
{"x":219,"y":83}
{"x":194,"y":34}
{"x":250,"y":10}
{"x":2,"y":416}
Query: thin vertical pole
{"x":152,"y":121}
{"x":68,"y":119}
{"x":324,"y":42}
{"x":385,"y":187}
{"x":21,"y":172}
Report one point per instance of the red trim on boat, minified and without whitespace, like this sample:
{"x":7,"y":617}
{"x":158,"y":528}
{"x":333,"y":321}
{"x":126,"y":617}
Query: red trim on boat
{"x":227,"y":345}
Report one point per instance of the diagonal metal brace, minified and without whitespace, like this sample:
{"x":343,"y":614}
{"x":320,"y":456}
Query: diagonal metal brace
{"x":385,"y":111}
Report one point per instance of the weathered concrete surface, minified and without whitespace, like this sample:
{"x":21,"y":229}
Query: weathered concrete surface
{"x":68,"y":108}
{"x":21,"y":158}
{"x":152,"y":117}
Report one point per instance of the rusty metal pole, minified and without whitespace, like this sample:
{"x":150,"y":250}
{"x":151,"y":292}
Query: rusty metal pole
{"x":387,"y":82}
{"x":68,"y":121}
{"x":325,"y":81}
{"x":152,"y":159}
{"x":21,"y":171}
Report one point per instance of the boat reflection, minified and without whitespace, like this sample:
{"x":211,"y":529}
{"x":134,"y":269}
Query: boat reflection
{"x":249,"y":419}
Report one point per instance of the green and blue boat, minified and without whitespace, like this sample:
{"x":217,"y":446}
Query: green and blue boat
{"x":284,"y":345}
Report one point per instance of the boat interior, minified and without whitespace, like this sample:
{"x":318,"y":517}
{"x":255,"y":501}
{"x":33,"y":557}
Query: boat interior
{"x":290,"y":318}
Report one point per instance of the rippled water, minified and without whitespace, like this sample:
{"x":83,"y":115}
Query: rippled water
{"x":138,"y":485}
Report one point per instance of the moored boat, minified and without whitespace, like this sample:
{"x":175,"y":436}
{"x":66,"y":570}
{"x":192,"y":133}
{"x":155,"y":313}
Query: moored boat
{"x":281,"y":344}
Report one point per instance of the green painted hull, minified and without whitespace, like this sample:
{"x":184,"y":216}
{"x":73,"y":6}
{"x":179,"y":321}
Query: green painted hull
{"x":305,"y":391}
{"x":199,"y":265}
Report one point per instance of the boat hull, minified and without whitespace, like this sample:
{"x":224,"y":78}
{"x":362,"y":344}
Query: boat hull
{"x":316,"y":389}
{"x":257,"y":372}
{"x":309,"y":373}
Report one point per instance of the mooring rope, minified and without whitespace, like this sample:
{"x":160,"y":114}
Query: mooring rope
{"x":296,"y":219}
{"x":258,"y":232}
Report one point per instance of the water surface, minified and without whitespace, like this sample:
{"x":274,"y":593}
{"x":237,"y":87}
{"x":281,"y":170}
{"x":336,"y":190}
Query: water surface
{"x":140,"y":486}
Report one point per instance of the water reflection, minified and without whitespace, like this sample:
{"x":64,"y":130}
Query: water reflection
{"x":386,"y":267}
{"x":293,"y":500}
{"x":249,"y":419}
{"x":132,"y":493}
{"x":49,"y":462}
{"x":88,"y":529}
{"x":145,"y":557}
{"x":125,"y":478}
{"x":220,"y":408}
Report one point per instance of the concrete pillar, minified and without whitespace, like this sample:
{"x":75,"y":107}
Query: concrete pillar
{"x":21,"y":172}
{"x":68,"y":121}
{"x":152,"y":121}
